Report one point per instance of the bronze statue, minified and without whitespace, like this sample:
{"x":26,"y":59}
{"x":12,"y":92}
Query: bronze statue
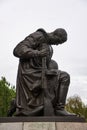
{"x":41,"y":88}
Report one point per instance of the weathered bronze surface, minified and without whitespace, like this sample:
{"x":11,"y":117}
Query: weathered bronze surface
{"x":41,"y":88}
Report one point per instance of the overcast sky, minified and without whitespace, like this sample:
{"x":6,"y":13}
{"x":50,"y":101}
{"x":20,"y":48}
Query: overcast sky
{"x":19,"y":18}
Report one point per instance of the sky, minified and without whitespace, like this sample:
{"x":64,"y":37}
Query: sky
{"x":19,"y":18}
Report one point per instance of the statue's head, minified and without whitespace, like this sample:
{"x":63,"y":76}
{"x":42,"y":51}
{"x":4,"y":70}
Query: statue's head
{"x":58,"y":36}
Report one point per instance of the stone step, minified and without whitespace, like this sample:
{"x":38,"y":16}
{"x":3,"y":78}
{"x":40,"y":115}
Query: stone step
{"x":43,"y":119}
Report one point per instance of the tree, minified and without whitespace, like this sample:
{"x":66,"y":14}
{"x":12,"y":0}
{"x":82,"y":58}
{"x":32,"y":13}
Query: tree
{"x":75,"y":105}
{"x":7,"y":92}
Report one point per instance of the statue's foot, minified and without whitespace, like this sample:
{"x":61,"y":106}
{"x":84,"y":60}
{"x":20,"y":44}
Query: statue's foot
{"x":36,"y":112}
{"x":64,"y":113}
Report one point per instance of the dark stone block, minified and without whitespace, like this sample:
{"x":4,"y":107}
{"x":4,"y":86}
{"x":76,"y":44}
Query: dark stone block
{"x":42,"y":119}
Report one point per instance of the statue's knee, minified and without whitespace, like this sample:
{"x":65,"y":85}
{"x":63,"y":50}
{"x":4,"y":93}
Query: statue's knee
{"x":53,"y":65}
{"x":65,"y":77}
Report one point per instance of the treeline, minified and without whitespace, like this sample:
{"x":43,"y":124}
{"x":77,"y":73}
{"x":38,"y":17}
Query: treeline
{"x":75,"y":105}
{"x":7,"y":93}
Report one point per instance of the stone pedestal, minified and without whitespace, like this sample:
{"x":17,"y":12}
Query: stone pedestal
{"x":42,"y":123}
{"x":43,"y":126}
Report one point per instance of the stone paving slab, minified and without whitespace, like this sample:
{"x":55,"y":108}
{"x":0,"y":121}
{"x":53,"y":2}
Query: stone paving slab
{"x":39,"y":126}
{"x":11,"y":126}
{"x":71,"y":126}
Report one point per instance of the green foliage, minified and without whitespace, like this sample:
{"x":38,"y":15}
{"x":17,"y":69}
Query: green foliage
{"x":75,"y":105}
{"x":7,"y":92}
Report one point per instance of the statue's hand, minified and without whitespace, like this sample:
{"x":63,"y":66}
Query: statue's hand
{"x":43,"y":52}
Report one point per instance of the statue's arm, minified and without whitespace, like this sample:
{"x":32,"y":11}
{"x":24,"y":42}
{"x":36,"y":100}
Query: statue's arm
{"x":25,"y":50}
